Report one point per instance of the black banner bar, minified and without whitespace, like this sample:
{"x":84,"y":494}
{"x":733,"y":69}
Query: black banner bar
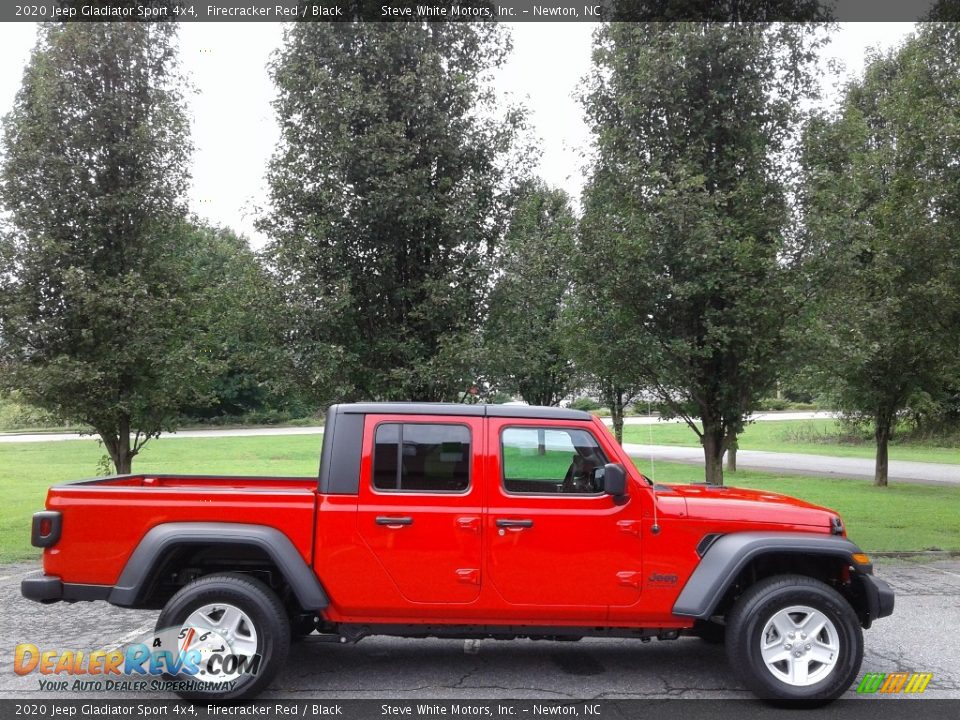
{"x":479,"y":10}
{"x":312,"y":709}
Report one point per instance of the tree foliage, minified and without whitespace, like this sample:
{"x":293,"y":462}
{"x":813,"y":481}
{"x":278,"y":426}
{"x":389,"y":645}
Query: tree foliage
{"x":687,"y":219}
{"x":882,"y":195}
{"x":596,"y":330}
{"x":944,"y":11}
{"x":388,"y":194}
{"x":92,"y":299}
{"x":525,"y":349}
{"x":241,"y":310}
{"x":719,"y":10}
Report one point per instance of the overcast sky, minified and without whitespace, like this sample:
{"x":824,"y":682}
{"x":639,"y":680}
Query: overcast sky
{"x":234,"y":131}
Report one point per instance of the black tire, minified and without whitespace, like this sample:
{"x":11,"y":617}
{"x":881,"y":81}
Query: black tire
{"x":758,"y":605}
{"x":265,"y":612}
{"x":711,"y":632}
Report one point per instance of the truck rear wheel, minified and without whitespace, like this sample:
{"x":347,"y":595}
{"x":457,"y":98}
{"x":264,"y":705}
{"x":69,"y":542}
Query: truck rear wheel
{"x":232,"y":632}
{"x":794,"y":638}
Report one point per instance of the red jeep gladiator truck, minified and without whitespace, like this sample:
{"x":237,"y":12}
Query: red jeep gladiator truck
{"x":463,"y":521}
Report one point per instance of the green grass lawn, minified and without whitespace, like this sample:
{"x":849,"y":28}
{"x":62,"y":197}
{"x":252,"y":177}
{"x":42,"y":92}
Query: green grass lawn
{"x":28,"y":469}
{"x":814,"y":437}
{"x":900,"y":517}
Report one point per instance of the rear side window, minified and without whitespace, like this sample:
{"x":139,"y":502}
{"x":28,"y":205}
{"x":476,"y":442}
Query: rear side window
{"x":420,"y":457}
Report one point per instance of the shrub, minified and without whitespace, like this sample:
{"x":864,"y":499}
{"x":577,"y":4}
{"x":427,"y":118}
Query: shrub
{"x":15,"y":414}
{"x":585,"y":403}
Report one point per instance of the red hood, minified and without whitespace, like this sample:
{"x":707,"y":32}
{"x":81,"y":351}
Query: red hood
{"x":743,"y":505}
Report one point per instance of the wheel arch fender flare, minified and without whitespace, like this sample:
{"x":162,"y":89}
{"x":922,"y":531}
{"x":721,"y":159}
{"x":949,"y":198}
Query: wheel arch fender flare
{"x":161,"y":539}
{"x":731,"y":553}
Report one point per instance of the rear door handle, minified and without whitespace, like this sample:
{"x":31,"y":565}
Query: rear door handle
{"x":469,"y":522}
{"x":503,"y":523}
{"x":391,"y":521}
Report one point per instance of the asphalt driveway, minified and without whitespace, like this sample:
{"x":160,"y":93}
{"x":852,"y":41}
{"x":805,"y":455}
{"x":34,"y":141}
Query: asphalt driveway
{"x":920,"y":636}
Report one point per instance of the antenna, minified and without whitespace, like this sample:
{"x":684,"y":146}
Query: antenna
{"x":653,"y":467}
{"x":655,"y":529}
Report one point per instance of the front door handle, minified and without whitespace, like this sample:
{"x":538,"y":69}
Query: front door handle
{"x":503,"y":523}
{"x":393,"y":521}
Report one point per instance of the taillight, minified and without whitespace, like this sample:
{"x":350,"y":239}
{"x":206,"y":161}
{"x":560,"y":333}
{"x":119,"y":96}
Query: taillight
{"x":46,"y":528}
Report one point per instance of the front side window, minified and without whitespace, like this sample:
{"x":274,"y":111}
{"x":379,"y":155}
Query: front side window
{"x":419,"y":457}
{"x":550,"y":460}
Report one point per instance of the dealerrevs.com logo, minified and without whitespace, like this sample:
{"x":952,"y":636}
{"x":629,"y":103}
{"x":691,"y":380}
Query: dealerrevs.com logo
{"x":186,"y":658}
{"x":893,"y":683}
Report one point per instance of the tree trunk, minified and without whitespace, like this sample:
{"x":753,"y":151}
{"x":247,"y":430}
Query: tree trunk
{"x":882,"y":434}
{"x":731,"y":452}
{"x":614,"y":398}
{"x":713,"y":452}
{"x":541,"y":442}
{"x":732,"y":458}
{"x":616,"y":413}
{"x":118,"y":446}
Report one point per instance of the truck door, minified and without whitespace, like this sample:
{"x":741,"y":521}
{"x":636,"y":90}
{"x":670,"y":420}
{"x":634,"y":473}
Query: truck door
{"x":420,"y":504}
{"x":553,"y":536}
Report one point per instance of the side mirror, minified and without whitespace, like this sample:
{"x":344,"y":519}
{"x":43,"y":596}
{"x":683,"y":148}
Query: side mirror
{"x":614,"y":480}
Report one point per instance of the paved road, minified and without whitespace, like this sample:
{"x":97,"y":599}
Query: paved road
{"x":759,"y":417}
{"x":248,"y":432}
{"x":919,"y":637}
{"x":232,"y":432}
{"x":798,"y":463}
{"x":899,"y":470}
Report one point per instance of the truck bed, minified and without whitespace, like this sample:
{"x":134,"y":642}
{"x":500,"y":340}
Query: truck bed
{"x":104,"y":519}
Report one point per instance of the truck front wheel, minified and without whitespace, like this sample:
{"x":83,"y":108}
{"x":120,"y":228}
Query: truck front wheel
{"x":794,"y":638}
{"x":230,"y":634}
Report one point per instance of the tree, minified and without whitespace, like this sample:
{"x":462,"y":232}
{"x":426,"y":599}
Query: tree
{"x":389,"y":191}
{"x":242,"y":311}
{"x":93,"y":308}
{"x":686,"y":215}
{"x":525,"y":348}
{"x":944,"y":11}
{"x":616,"y":395}
{"x":719,"y":10}
{"x":882,"y":195}
{"x":597,"y":331}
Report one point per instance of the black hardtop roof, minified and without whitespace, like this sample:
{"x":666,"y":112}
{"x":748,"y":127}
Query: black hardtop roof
{"x":478,"y":410}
